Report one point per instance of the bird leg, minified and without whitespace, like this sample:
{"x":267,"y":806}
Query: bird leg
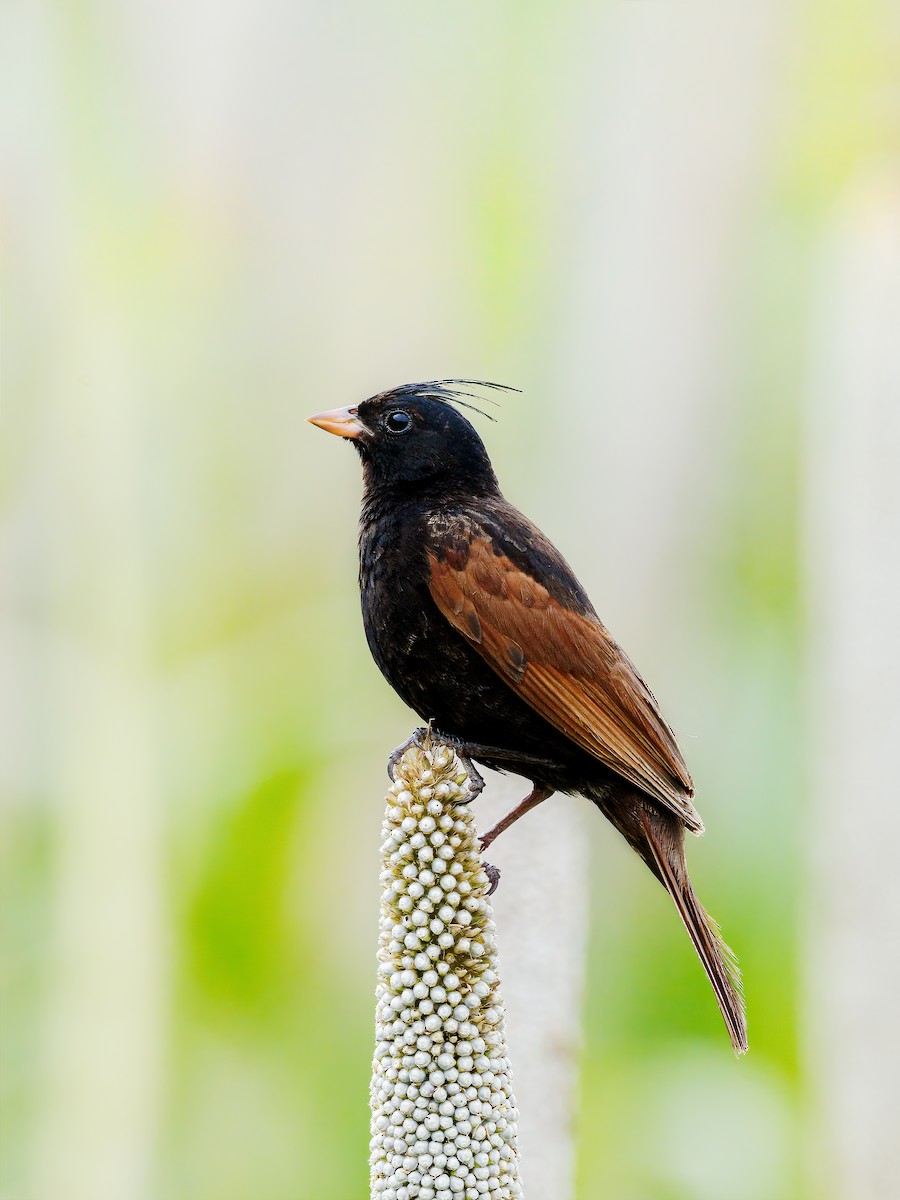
{"x":536,"y":796}
{"x":466,"y":751}
{"x":515,"y":758}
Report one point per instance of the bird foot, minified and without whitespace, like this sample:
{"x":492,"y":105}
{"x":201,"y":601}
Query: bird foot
{"x":424,"y":737}
{"x":417,"y":738}
{"x":476,"y":782}
{"x":493,"y":874}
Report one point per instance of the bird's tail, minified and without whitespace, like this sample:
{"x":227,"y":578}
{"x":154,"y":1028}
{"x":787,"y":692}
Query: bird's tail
{"x":662,"y":848}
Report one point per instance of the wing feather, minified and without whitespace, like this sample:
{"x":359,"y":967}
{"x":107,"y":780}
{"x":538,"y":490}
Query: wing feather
{"x":565,"y":665}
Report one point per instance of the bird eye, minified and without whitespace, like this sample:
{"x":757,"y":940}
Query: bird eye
{"x":398,"y":421}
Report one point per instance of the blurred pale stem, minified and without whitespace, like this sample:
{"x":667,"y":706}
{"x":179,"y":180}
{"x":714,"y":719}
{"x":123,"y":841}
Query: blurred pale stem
{"x":853,"y":535}
{"x":541,"y":908}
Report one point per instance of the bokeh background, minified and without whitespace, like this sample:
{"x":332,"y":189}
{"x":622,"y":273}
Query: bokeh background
{"x":673,"y":225}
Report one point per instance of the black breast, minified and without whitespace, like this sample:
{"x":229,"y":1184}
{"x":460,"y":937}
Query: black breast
{"x":410,"y":641}
{"x":427,"y":663}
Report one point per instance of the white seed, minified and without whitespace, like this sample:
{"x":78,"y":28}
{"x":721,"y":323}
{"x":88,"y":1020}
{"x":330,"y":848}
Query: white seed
{"x":441,"y":1092}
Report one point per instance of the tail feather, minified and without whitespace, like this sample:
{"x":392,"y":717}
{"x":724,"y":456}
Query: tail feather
{"x":664,"y":854}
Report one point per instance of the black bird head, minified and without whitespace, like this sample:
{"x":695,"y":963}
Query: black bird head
{"x":412,"y":437}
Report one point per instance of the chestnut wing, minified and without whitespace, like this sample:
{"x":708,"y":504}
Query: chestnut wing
{"x":564,"y":664}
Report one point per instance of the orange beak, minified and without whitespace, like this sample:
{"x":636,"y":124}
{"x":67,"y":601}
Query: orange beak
{"x":342,"y":421}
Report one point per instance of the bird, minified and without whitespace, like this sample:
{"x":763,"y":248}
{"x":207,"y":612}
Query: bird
{"x":482,"y":628}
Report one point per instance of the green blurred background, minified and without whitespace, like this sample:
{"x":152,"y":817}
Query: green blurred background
{"x":221,"y":218}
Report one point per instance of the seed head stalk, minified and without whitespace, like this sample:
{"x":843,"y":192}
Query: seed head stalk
{"x":443,"y":1114}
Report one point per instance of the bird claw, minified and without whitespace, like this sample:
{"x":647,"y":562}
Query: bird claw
{"x":476,"y":782}
{"x":416,"y":739}
{"x":459,"y":748}
{"x":493,"y":874}
{"x":423,"y":738}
